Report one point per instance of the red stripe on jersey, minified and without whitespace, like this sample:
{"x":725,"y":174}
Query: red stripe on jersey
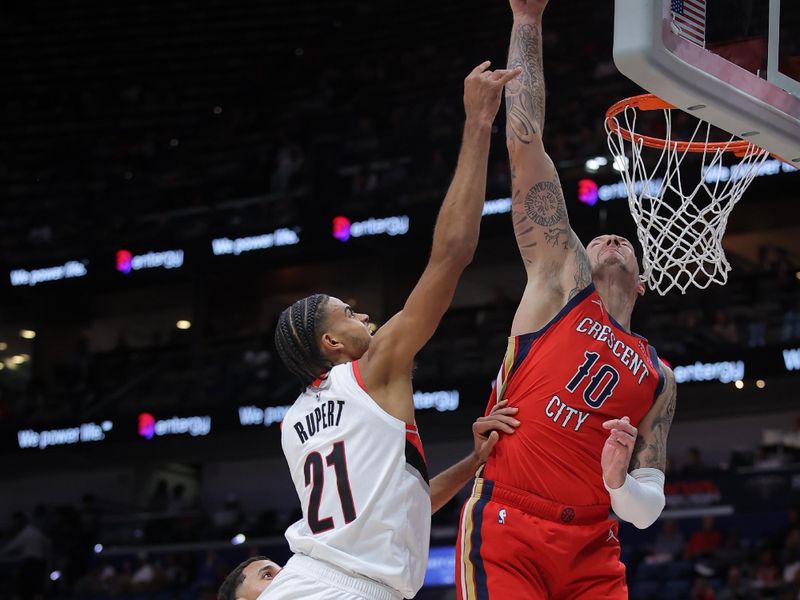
{"x":412,"y":437}
{"x":357,"y":374}
{"x":318,"y":381}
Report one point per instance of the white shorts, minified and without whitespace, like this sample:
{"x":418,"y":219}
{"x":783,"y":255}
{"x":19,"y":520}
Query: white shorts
{"x":307,"y":578}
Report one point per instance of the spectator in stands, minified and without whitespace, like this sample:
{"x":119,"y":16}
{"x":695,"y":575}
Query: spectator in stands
{"x":790,"y":556}
{"x":31,"y":547}
{"x":228,"y":518}
{"x":288,"y":162}
{"x":209,"y":573}
{"x":175,"y":574}
{"x":178,"y":503}
{"x":737,"y":586}
{"x":160,"y":498}
{"x":731,"y":554}
{"x":102,"y":580}
{"x":668,"y":544}
{"x":701,"y":590}
{"x":704,"y":541}
{"x":766,"y":575}
{"x":145,"y":577}
{"x":694,"y":463}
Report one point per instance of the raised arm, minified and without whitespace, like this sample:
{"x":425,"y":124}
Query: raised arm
{"x":455,"y":238}
{"x":554,"y":258}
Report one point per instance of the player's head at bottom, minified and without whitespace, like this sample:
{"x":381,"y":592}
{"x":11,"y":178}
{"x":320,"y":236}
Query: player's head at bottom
{"x":318,"y":332}
{"x":613,"y":259}
{"x":249,"y":579}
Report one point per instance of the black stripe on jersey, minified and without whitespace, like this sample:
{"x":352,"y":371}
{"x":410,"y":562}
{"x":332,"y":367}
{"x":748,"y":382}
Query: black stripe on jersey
{"x":415,"y":460}
{"x":477,"y":540}
{"x":525,"y":341}
{"x":661,"y":378}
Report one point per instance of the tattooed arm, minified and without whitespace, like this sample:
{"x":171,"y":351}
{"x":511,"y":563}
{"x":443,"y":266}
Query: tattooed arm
{"x":555,"y":260}
{"x":650,"y":449}
{"x":633,"y":461}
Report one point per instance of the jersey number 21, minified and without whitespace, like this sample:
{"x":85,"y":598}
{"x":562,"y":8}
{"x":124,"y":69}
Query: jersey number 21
{"x":314,"y":471}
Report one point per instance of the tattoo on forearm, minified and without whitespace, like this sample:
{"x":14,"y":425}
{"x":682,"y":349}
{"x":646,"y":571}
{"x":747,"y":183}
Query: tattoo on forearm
{"x":653,"y":451}
{"x":525,"y":99}
{"x":544,"y":204}
{"x":638,"y":449}
{"x":527,"y":231}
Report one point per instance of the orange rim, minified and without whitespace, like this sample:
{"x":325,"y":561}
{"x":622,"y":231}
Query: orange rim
{"x":650,"y":102}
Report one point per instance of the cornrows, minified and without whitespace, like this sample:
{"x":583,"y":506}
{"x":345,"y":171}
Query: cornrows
{"x":229,"y":588}
{"x":296,"y":338}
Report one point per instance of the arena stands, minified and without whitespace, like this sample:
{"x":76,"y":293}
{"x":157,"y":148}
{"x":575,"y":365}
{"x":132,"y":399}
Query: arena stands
{"x":163,"y":125}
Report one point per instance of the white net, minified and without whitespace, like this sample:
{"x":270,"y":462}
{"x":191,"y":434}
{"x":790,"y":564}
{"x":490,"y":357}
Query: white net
{"x":680,"y":225}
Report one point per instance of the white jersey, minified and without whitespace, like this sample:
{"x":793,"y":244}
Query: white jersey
{"x":362,"y":481}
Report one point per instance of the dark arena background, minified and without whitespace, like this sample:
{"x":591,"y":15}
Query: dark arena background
{"x":174,"y":173}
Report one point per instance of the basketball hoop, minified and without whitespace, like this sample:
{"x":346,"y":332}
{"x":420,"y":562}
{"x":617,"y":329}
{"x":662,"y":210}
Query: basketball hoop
{"x":679,"y":225}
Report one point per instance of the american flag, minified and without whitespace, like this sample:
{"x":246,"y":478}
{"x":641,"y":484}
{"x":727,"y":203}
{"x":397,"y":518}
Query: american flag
{"x":689,"y":20}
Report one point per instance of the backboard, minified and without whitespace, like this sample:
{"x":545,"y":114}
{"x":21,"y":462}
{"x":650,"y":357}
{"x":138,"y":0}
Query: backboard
{"x":732,"y":63}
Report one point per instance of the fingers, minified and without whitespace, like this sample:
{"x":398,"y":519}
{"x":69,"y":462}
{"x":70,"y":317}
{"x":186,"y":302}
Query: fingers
{"x":623,"y":424}
{"x":490,"y":442}
{"x":503,"y":408}
{"x":504,"y":423}
{"x":622,"y":438}
{"x":509,"y":412}
{"x":503,"y":411}
{"x":622,"y":434}
{"x":503,"y":76}
{"x":481,"y":67}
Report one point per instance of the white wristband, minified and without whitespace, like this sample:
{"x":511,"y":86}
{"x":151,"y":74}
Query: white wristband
{"x":641,"y":498}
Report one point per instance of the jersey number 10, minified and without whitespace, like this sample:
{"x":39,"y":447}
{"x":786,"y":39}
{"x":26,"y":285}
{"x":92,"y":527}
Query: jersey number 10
{"x":606,"y":374}
{"x":315,"y":473}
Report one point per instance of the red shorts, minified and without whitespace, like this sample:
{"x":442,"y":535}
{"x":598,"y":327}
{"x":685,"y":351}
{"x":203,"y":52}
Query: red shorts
{"x":514,"y":545}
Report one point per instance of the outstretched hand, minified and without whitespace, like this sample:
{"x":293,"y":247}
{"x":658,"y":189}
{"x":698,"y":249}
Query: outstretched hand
{"x":486,"y":430}
{"x":483,"y":89}
{"x":617,"y":451}
{"x":528,"y":8}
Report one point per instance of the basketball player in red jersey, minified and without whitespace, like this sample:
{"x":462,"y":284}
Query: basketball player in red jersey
{"x":596,"y":404}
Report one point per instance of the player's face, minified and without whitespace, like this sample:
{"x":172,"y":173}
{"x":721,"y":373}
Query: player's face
{"x":609,"y":251}
{"x":258,"y":576}
{"x":345,"y":326}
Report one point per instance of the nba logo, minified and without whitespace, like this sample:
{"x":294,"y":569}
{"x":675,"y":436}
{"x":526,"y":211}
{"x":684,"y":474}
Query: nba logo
{"x":501,"y":516}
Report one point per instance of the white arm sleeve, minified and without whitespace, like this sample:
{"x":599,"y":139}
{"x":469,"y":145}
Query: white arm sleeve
{"x":641,"y":498}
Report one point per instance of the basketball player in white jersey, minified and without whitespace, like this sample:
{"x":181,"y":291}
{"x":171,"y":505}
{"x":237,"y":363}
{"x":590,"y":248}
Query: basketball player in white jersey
{"x":350,"y":439}
{"x":252,"y":577}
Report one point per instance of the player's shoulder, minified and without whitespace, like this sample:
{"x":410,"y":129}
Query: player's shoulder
{"x":670,"y":385}
{"x":667,"y":370}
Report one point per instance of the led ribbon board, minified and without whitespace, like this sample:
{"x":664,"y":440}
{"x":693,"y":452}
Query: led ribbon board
{"x":280,"y":237}
{"x":72,"y":269}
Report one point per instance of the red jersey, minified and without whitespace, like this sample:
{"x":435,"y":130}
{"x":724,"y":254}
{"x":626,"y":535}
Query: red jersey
{"x":578,"y":371}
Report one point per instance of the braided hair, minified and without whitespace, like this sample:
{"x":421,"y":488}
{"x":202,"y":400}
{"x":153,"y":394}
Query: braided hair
{"x":297,"y":338}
